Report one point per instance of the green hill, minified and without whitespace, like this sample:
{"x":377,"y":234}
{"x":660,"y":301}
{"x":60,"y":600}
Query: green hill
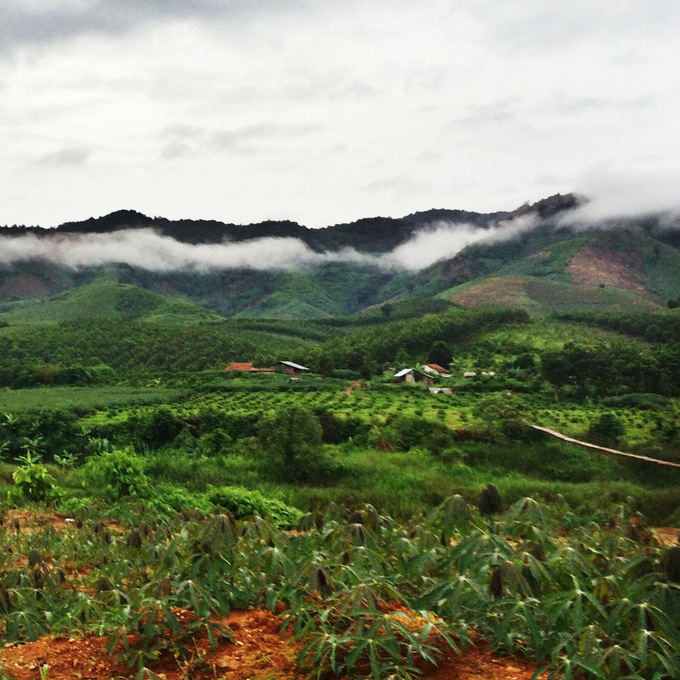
{"x":106,"y":300}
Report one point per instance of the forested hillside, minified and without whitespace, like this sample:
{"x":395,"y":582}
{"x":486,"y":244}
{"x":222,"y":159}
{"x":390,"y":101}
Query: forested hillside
{"x":539,"y":258}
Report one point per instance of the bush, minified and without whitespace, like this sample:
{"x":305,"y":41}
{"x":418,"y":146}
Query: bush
{"x":637,"y":400}
{"x":122,"y":472}
{"x":403,"y":432}
{"x":608,"y":429}
{"x":33,"y":480}
{"x":244,"y":503}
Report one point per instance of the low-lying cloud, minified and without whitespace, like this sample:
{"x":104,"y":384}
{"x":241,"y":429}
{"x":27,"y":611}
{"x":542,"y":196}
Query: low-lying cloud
{"x":614,"y":195}
{"x":445,"y":239}
{"x":147,"y":249}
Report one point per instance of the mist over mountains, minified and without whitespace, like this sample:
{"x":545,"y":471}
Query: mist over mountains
{"x":156,"y":244}
{"x":283,"y":269}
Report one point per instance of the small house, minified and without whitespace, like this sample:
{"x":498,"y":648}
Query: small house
{"x":406,"y":375}
{"x":410,"y":375}
{"x":291,"y":369}
{"x":436,"y":369}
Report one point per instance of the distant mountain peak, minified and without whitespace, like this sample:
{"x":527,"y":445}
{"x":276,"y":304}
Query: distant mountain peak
{"x":115,"y":221}
{"x":551,"y":206}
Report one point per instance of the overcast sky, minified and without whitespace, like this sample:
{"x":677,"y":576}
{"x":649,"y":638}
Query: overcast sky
{"x":325,"y":112}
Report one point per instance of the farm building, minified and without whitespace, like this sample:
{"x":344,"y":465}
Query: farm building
{"x":248,"y":368}
{"x":291,"y":369}
{"x":436,"y":369}
{"x":410,"y":375}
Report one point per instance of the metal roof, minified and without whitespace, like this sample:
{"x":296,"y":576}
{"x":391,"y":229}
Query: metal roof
{"x":292,"y":365}
{"x":403,"y":372}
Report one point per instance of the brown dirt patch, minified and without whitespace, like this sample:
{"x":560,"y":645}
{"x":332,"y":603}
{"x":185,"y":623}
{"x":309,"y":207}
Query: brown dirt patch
{"x":259,"y":652}
{"x":593,"y":265}
{"x":24,"y":286}
{"x":502,"y":292}
{"x":37,"y":520}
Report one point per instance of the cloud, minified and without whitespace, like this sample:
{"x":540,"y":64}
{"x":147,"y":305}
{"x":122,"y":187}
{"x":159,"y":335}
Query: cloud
{"x":182,"y":140}
{"x":66,"y":156}
{"x":615,"y":194}
{"x":146,"y":249}
{"x":41,"y":21}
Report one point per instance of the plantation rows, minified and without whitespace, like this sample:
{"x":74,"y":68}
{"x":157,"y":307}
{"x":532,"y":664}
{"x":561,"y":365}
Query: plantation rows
{"x":367,"y":594}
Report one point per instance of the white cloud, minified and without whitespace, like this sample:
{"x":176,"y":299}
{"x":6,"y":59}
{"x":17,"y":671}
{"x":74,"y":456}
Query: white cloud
{"x":631,"y":193}
{"x":146,"y":249}
{"x":231,"y":110}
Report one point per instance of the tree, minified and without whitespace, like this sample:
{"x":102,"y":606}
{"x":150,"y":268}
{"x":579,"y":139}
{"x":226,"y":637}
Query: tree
{"x":440,"y":353}
{"x":502,"y":414}
{"x":608,"y":429}
{"x":292,"y":446}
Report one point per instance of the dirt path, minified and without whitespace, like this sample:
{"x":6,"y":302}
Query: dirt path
{"x":604,"y":449}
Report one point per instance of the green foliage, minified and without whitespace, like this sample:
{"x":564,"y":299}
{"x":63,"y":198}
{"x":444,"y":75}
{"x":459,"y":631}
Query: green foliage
{"x":81,"y":399}
{"x":503,"y":414}
{"x":32,"y":479}
{"x":607,"y":429}
{"x":292,"y":446}
{"x":440,"y":353}
{"x":122,"y":472}
{"x":402,"y":432}
{"x":244,"y":503}
{"x":367,"y":594}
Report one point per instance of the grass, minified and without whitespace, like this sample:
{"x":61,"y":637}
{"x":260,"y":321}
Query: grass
{"x":86,"y":398}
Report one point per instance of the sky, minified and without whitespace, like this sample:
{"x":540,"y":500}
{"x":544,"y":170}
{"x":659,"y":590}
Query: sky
{"x":326,"y":112}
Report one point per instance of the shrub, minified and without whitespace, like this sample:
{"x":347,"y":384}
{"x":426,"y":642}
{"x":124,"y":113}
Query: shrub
{"x":637,"y":400}
{"x":122,"y":471}
{"x":244,"y":503}
{"x":33,"y":480}
{"x":608,"y":429}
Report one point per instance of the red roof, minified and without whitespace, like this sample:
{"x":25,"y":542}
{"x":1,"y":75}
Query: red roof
{"x":239,"y":367}
{"x":437,"y":367}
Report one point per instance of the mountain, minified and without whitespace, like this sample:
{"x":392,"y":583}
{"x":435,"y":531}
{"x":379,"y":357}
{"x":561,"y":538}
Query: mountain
{"x":537,"y":257}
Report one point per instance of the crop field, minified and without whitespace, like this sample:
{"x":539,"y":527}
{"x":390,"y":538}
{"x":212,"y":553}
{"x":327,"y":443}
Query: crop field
{"x":81,"y":398}
{"x":366,"y":595}
{"x":371,"y":527}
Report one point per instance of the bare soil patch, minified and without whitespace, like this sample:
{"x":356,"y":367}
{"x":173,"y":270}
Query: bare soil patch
{"x":594,"y":266}
{"x":260,"y":651}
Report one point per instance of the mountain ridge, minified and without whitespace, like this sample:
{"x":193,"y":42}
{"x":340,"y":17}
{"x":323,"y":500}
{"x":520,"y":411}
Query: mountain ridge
{"x":533,"y":256}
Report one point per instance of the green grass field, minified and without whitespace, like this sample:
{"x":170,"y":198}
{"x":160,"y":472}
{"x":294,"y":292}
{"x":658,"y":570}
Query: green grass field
{"x":86,"y":398}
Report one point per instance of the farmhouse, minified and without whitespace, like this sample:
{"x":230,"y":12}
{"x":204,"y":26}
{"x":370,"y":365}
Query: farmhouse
{"x":291,"y":369}
{"x":410,"y":375}
{"x":436,"y":369}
